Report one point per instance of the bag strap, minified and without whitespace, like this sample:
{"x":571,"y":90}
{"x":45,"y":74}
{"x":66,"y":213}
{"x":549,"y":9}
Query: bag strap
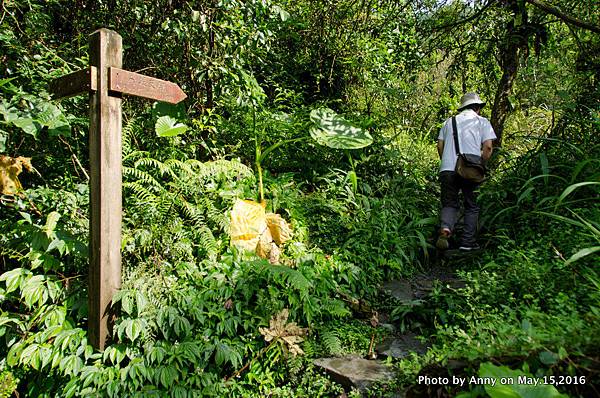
{"x":455,"y":134}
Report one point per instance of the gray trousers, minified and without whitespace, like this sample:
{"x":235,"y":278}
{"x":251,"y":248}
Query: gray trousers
{"x":452,"y":184}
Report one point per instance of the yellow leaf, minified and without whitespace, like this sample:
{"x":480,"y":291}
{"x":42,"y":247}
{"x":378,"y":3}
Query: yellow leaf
{"x":247,"y":224}
{"x":280,"y":230}
{"x":254,"y":231}
{"x":10,"y":168}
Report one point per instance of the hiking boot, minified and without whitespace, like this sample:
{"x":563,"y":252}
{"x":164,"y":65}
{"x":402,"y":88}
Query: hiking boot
{"x":469,"y":248}
{"x":442,"y":240}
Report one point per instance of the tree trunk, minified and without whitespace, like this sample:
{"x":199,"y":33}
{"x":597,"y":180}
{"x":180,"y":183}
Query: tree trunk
{"x":209,"y":81}
{"x":501,"y":107}
{"x":515,"y":47}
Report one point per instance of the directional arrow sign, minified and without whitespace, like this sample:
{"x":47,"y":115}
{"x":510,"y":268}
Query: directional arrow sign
{"x":119,"y":81}
{"x":132,"y":83}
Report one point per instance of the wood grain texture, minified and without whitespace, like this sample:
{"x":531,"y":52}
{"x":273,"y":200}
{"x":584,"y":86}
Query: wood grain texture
{"x":105,"y":187}
{"x":74,"y":83}
{"x":131,"y":83}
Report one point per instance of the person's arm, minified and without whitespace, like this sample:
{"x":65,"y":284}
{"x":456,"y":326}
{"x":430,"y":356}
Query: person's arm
{"x":440,"y":147}
{"x":486,"y":151}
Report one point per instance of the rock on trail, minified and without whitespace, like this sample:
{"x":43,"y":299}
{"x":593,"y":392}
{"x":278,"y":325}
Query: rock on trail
{"x":355,"y":371}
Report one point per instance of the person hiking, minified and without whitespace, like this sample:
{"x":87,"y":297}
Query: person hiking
{"x":475,"y":135}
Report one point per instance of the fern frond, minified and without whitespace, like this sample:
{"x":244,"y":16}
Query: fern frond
{"x":215,"y":215}
{"x":183,"y":206}
{"x":336,"y":308}
{"x":207,"y":242}
{"x":292,"y":276}
{"x":178,"y":235}
{"x":331,"y":342}
{"x":224,"y":169}
{"x":162,"y":168}
{"x":142,"y":194}
{"x":141,"y":176}
{"x":192,"y":212}
{"x":127,"y":133}
{"x":166,"y":205}
{"x":131,"y":157}
{"x":183,"y":168}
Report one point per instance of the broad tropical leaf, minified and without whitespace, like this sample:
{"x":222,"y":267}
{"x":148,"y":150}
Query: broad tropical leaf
{"x":166,"y":126}
{"x":334,"y":131}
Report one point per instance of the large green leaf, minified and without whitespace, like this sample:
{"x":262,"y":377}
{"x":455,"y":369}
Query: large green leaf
{"x":28,"y":125}
{"x":51,"y":222}
{"x":50,"y":116}
{"x":334,"y":131}
{"x":166,"y":126}
{"x":44,"y":114}
{"x":515,"y":383}
{"x":10,"y":113}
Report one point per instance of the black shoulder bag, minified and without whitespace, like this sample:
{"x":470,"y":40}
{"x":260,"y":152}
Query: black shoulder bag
{"x":468,"y":166}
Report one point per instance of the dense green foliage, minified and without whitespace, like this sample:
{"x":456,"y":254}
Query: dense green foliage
{"x":328,"y":111}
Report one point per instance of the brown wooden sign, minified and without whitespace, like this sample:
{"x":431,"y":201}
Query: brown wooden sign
{"x":105,"y":81}
{"x":131,"y":83}
{"x":74,"y":83}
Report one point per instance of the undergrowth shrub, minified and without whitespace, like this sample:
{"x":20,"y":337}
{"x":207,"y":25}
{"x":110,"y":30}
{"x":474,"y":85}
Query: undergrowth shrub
{"x":190,"y":307}
{"x":532,"y":298}
{"x":385,"y":234}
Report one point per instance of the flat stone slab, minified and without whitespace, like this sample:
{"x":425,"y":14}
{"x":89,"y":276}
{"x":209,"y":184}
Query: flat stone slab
{"x":400,"y":289}
{"x":400,"y":346}
{"x":411,"y":292}
{"x":354,"y":371}
{"x":424,"y":284}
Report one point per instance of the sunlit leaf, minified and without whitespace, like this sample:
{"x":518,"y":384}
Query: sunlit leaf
{"x":514,"y":389}
{"x":166,"y":126}
{"x":51,"y":222}
{"x":582,"y":253}
{"x":133,"y":328}
{"x":50,"y":116}
{"x":14,"y":354}
{"x":334,"y":131}
{"x":28,"y":125}
{"x":14,"y":278}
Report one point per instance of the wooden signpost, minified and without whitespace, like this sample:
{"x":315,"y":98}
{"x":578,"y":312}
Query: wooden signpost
{"x":106,"y":82}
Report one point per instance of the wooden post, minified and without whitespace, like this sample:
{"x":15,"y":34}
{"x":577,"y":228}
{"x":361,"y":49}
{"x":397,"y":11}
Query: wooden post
{"x":105,"y":186}
{"x":106,"y":82}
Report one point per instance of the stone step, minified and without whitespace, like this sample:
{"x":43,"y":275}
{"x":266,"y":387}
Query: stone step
{"x":410,"y":292}
{"x":400,"y":346}
{"x":352,"y":371}
{"x":401,"y":290}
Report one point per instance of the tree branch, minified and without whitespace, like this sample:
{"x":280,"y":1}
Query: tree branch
{"x":565,"y":18}
{"x":444,"y":29}
{"x":476,"y":14}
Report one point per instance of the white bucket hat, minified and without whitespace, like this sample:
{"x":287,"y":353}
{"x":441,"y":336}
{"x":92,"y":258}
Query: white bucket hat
{"x":469,"y":99}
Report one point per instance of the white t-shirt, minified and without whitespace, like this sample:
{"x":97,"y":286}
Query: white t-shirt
{"x":473,"y":130}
